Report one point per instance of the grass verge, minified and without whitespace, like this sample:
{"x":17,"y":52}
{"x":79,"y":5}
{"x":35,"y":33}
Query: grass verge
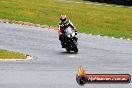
{"x":5,"y":54}
{"x":88,"y":18}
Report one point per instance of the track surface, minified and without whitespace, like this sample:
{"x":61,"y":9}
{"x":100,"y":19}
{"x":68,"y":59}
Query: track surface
{"x":51,"y":66}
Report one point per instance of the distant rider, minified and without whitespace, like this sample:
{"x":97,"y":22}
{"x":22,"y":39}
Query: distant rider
{"x":63,"y":24}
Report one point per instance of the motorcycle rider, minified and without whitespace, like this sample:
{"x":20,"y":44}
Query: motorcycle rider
{"x":63,"y":24}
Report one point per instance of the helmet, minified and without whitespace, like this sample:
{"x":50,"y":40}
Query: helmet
{"x":63,"y":18}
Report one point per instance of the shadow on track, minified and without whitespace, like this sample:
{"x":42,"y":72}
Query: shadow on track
{"x":65,"y":53}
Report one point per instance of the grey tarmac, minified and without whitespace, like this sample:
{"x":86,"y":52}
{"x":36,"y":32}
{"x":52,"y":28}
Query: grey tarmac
{"x":51,"y":66}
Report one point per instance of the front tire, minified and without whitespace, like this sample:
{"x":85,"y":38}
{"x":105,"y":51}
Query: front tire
{"x":68,"y":50}
{"x":76,"y":49}
{"x":75,"y":46}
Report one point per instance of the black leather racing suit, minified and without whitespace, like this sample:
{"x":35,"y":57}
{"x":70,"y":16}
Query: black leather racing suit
{"x":61,"y":27}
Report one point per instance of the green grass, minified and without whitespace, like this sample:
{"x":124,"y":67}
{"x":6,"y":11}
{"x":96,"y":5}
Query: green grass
{"x":5,"y":54}
{"x":111,"y":21}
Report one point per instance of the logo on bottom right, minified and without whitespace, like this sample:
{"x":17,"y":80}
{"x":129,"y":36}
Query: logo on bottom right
{"x":83,"y":78}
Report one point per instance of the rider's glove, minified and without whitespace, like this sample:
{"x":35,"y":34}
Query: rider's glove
{"x":75,"y":31}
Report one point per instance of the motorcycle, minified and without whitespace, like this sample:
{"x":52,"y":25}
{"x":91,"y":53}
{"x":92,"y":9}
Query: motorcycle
{"x":70,"y":40}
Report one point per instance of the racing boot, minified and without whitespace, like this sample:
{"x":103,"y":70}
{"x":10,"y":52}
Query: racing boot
{"x":63,"y":44}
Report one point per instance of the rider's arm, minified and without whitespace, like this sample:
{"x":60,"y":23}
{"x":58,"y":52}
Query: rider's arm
{"x":73,"y":27}
{"x":59,"y":31}
{"x":71,"y":24}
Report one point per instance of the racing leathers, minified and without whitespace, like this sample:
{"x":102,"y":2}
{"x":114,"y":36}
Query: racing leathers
{"x":61,"y":27}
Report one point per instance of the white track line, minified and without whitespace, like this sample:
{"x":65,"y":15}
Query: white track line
{"x":121,"y":38}
{"x":105,"y":36}
{"x":90,"y":34}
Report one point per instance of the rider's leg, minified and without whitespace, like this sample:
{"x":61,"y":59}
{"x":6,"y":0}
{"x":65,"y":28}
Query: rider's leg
{"x":62,"y":41}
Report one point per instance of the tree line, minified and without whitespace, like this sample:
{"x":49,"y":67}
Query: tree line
{"x":118,"y":2}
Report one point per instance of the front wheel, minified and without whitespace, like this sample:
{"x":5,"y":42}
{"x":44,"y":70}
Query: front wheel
{"x":75,"y":49}
{"x":68,"y":50}
{"x":75,"y":46}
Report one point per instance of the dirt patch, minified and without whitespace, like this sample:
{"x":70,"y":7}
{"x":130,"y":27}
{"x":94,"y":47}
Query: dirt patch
{"x":27,"y":23}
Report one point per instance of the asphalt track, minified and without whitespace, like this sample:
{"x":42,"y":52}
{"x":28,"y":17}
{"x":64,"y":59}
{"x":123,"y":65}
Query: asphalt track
{"x":51,"y":66}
